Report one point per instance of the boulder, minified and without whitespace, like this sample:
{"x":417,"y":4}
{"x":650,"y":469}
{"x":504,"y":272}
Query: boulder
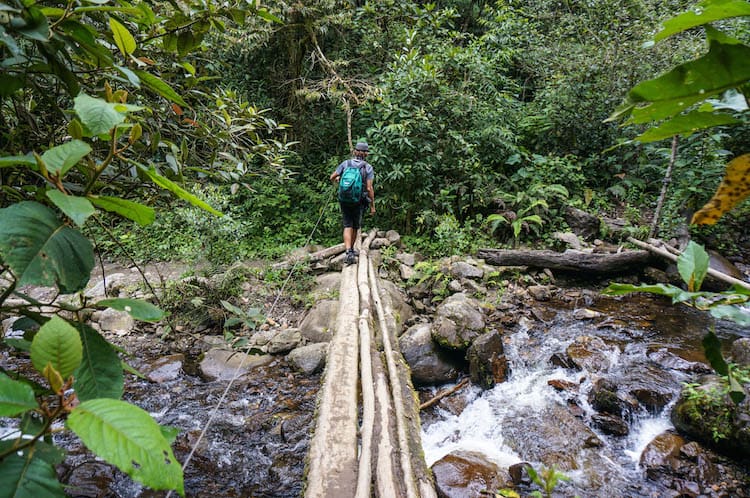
{"x":393,"y":237}
{"x":223,"y":364}
{"x":326,"y":286}
{"x":461,"y":269}
{"x":118,"y":322}
{"x":458,"y":321}
{"x":467,"y":474}
{"x":487,"y":363}
{"x":604,"y":397}
{"x":318,"y":324}
{"x":406,"y":271}
{"x":591,"y":354}
{"x":649,"y":385}
{"x":392,"y":296}
{"x":284,"y":341}
{"x":429,"y":364}
{"x":610,"y":424}
{"x":163,"y":369}
{"x":309,"y":359}
{"x":540,"y":292}
{"x":568,"y":238}
{"x":407,"y":258}
{"x":583,"y":224}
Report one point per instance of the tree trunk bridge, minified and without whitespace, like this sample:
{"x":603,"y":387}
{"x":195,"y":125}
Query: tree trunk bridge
{"x":379,"y":454}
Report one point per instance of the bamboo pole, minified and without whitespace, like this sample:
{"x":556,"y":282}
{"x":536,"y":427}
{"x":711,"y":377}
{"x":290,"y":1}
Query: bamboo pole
{"x":665,"y":254}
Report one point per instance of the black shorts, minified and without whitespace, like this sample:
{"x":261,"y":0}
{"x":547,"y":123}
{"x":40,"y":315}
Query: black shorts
{"x":352,"y":214}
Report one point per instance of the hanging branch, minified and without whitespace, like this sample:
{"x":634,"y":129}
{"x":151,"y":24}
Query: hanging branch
{"x":665,"y":184}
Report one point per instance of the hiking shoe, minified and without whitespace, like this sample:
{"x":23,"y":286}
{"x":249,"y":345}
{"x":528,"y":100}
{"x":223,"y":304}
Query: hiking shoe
{"x":350,"y":258}
{"x":356,"y":252}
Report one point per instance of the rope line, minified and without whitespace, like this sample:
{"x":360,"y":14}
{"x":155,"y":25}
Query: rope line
{"x":238,"y":369}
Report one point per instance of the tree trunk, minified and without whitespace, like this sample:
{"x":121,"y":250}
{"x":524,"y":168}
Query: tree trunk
{"x":573,"y":261}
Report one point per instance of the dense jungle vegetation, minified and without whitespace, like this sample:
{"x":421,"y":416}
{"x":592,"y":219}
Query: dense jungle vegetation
{"x":201,"y":130}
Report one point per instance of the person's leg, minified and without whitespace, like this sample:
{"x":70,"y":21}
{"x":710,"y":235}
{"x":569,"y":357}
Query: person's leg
{"x":349,"y":238}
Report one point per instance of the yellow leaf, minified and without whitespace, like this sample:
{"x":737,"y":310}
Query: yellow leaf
{"x":733,"y":190}
{"x":124,"y":40}
{"x":53,"y":376}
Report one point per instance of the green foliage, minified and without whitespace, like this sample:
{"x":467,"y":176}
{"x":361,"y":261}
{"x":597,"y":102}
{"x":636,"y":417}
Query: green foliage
{"x":547,"y":478}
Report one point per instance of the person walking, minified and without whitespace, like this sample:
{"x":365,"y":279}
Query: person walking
{"x":351,"y":209}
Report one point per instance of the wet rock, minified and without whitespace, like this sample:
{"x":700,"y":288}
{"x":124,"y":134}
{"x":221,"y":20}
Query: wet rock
{"x":91,"y":480}
{"x":461,"y":269}
{"x":223,"y":364}
{"x":561,"y":360}
{"x":582,"y":223}
{"x":604,"y":397}
{"x":429,"y":364}
{"x":487,"y":363}
{"x":118,"y":322}
{"x":317,"y":326}
{"x":666,"y":359}
{"x":563,"y":385}
{"x":284,"y":341}
{"x":610,"y":424}
{"x":741,"y":351}
{"x":649,"y":385}
{"x":466,"y":474}
{"x":164,"y":369}
{"x":711,"y":417}
{"x":458,"y":321}
{"x":662,"y":454}
{"x":540,"y":292}
{"x":309,"y":359}
{"x":585,"y":314}
{"x":591,"y":354}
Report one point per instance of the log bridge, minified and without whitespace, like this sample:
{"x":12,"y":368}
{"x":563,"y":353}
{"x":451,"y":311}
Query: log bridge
{"x":367,"y":439}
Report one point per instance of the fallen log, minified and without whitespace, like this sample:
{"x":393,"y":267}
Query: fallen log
{"x":444,"y":393}
{"x":569,"y":260}
{"x":311,"y":258}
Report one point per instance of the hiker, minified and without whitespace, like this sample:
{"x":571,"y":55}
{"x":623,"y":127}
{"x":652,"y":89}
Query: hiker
{"x":351,"y":187}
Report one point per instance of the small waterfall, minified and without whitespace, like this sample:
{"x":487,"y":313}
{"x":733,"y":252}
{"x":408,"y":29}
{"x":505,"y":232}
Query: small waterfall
{"x":523,"y":404}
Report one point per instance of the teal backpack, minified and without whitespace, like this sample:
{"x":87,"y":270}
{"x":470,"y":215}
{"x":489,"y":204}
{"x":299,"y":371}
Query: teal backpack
{"x":350,"y":184}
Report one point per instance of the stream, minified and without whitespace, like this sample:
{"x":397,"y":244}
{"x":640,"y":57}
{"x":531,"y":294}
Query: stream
{"x":651,"y":345}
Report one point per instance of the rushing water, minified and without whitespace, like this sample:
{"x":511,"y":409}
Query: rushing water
{"x":525,"y":417}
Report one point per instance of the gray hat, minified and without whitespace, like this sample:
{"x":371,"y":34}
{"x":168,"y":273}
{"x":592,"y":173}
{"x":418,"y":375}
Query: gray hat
{"x":362,"y":146}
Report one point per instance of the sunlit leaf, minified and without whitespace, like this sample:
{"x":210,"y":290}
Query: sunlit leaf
{"x":160,"y":86}
{"x":733,"y":189}
{"x":97,"y":115}
{"x":693,"y":265}
{"x":177,"y":190}
{"x":143,"y":215}
{"x":704,"y":13}
{"x":124,"y":40}
{"x":137,"y":308}
{"x":686,"y":124}
{"x":15,"y":397}
{"x":100,"y":373}
{"x":59,"y":344}
{"x":77,"y":208}
{"x":129,"y":438}
{"x":41,"y":250}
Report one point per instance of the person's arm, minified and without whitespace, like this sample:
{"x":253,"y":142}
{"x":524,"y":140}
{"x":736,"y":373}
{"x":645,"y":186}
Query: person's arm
{"x":371,"y":194}
{"x":335,"y":176}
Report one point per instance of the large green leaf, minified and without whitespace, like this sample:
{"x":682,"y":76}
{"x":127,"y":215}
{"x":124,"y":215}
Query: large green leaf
{"x":100,"y":374}
{"x":177,"y":190}
{"x":137,"y":308}
{"x":723,"y":67}
{"x":129,"y":438}
{"x":123,"y":39}
{"x":678,"y":295}
{"x":41,"y":250}
{"x":693,"y":265}
{"x":27,"y":476}
{"x":15,"y":397}
{"x":712,"y":348}
{"x":61,"y":158}
{"x":59,"y":344}
{"x":706,"y":12}
{"x":77,"y":208}
{"x":733,"y":313}
{"x":27,"y":160}
{"x":97,"y":115}
{"x":686,"y":124}
{"x":160,"y":86}
{"x":143,"y":215}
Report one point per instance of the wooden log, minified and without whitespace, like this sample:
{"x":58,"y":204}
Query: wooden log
{"x":574,"y":261}
{"x":444,"y":393}
{"x":332,"y":456}
{"x":311,"y":258}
